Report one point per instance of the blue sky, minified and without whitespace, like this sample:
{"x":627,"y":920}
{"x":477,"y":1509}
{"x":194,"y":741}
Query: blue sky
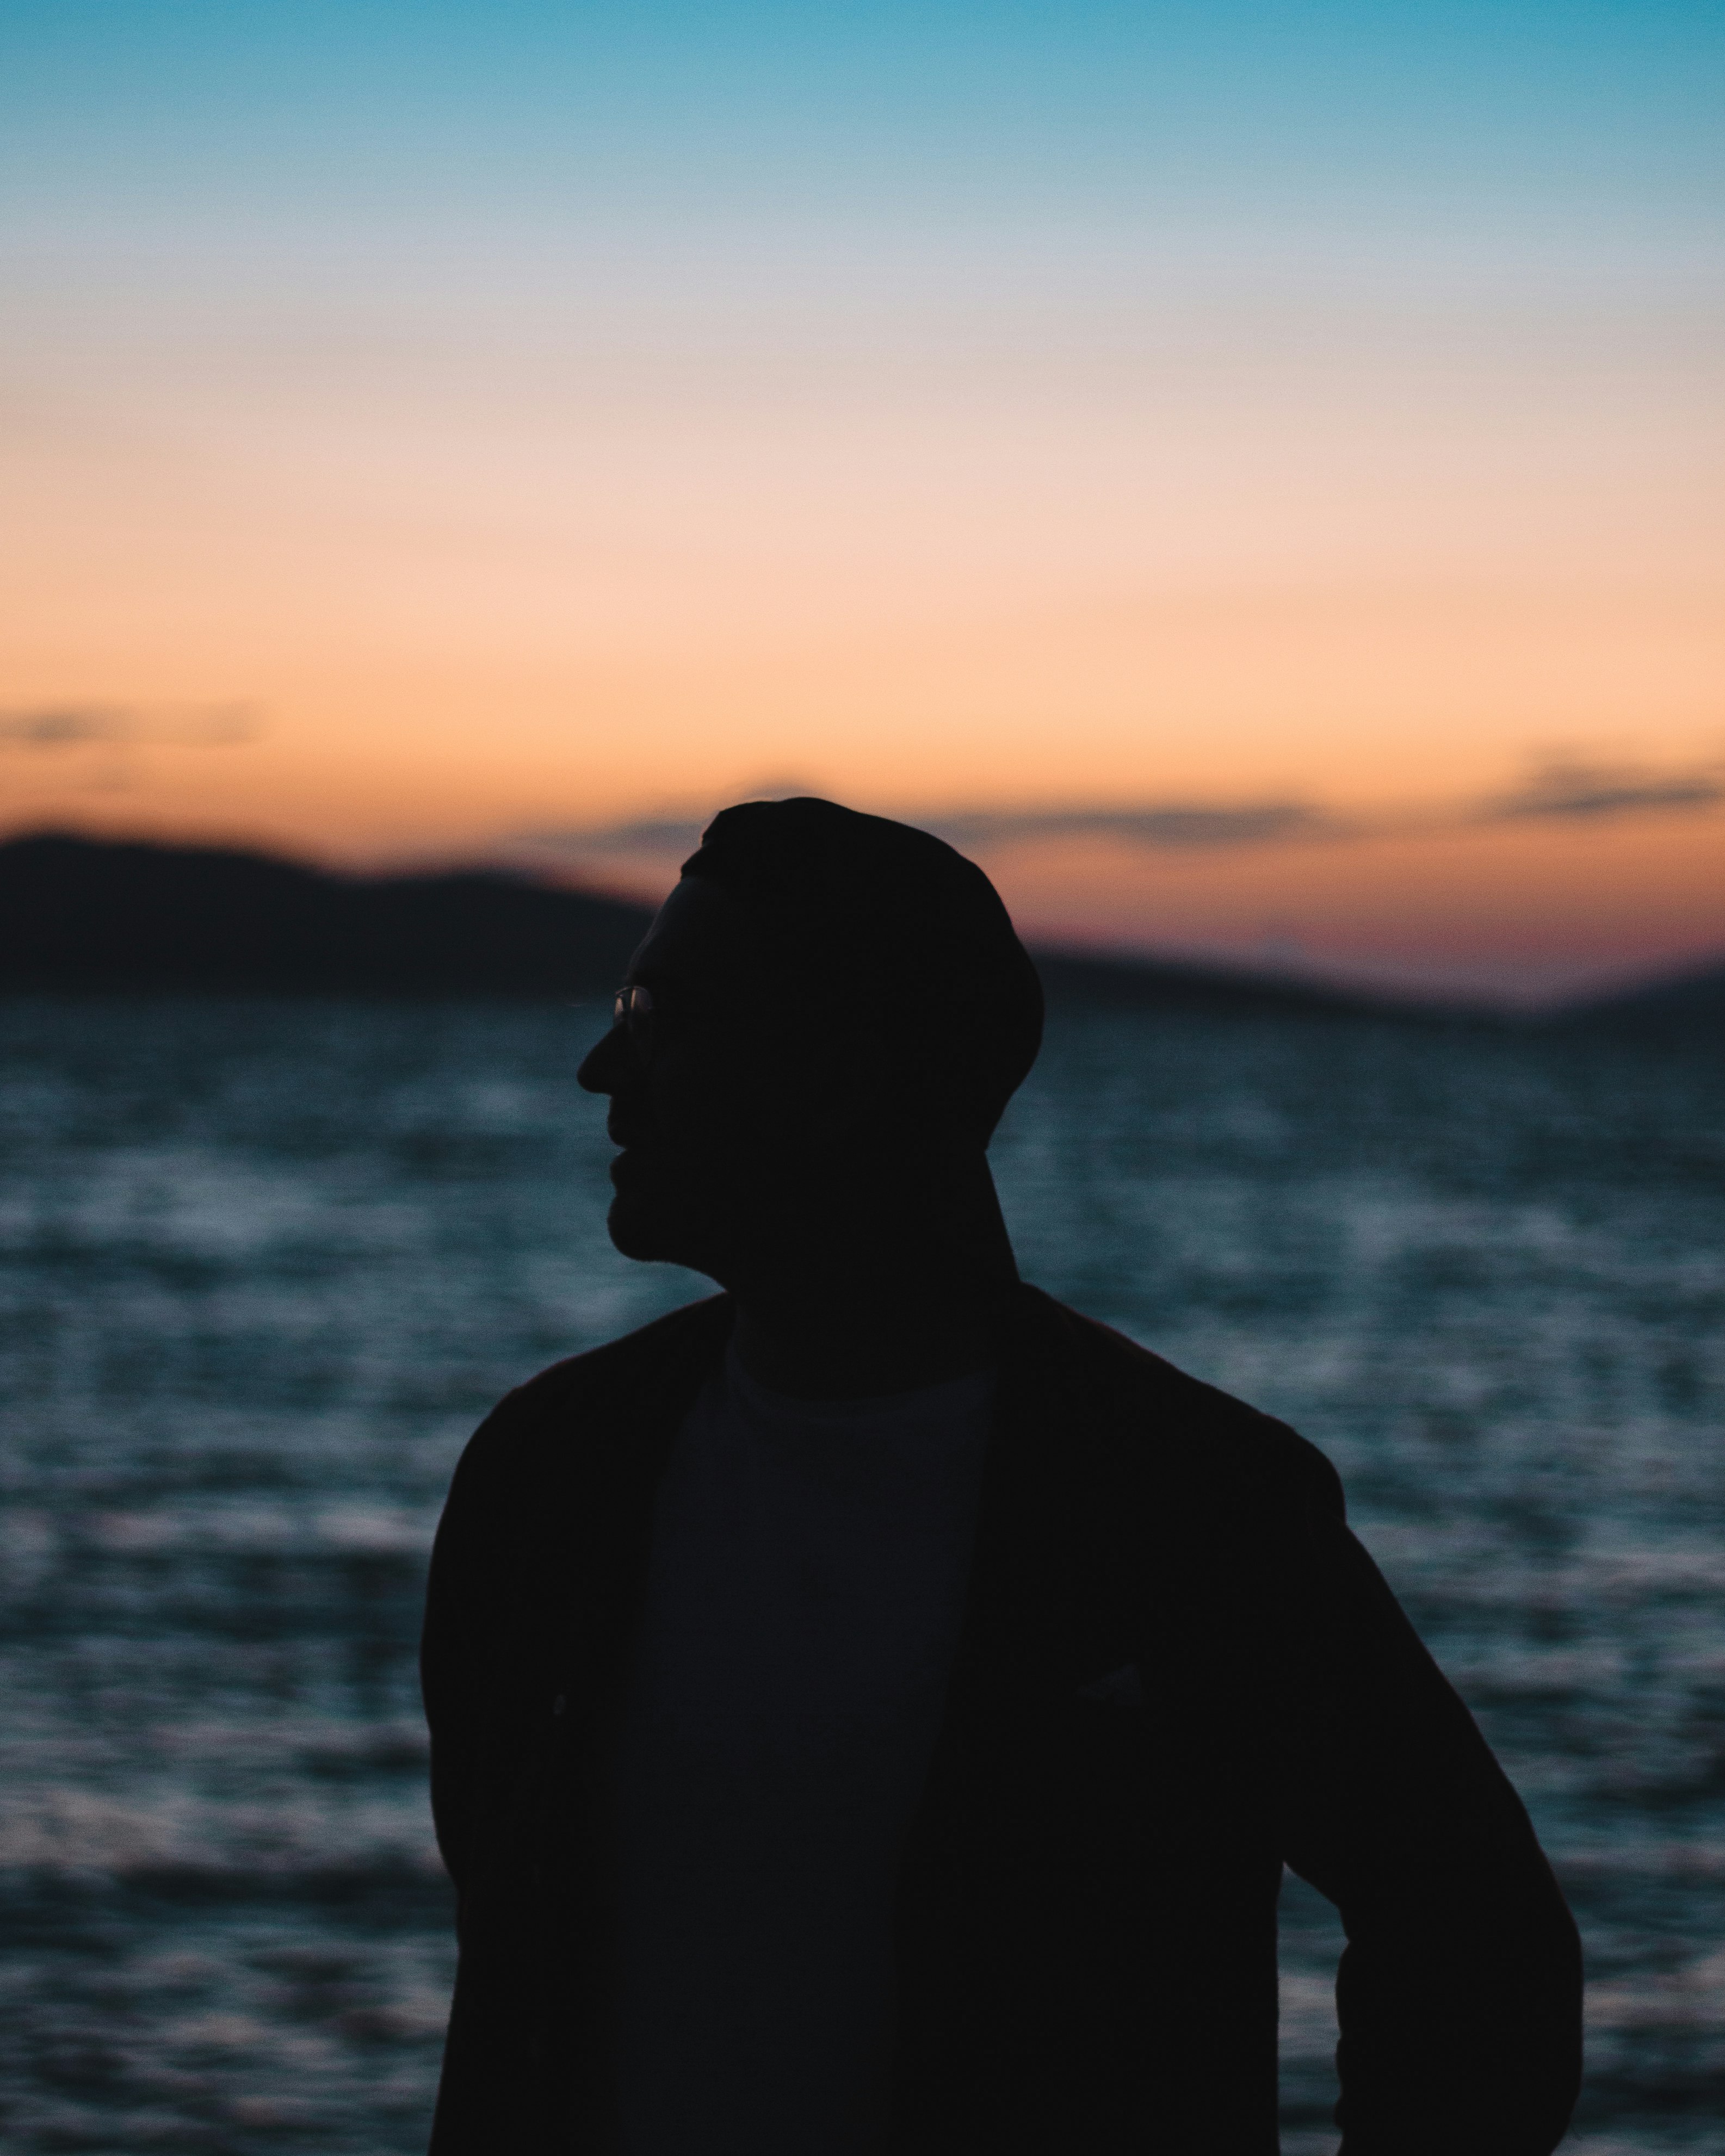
{"x":965,"y":110}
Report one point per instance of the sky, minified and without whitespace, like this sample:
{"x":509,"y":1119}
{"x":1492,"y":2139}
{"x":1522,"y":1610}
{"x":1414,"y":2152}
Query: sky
{"x":1252,"y":475}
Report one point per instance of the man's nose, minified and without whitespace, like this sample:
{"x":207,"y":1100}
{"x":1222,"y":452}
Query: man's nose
{"x":603,"y":1068}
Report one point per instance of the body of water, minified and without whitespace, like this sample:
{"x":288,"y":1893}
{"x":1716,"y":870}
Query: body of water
{"x":263,"y":1265}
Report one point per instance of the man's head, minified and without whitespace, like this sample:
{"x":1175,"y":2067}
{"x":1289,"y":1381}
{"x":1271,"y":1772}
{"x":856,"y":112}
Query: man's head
{"x":839,"y":1009}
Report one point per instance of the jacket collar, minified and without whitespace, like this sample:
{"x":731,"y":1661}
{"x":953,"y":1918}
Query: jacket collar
{"x":1034,"y":1622}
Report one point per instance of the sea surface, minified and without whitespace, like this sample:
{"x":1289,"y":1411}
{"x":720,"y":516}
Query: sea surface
{"x":263,"y":1266}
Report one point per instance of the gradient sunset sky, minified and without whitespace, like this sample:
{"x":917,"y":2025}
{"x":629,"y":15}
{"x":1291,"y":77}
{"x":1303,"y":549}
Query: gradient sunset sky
{"x":1252,"y":475}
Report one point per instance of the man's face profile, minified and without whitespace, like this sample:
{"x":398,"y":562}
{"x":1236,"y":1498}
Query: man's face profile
{"x":743,"y":1104}
{"x":689,"y":1086}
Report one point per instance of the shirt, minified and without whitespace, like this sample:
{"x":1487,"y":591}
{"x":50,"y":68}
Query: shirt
{"x":806,"y":1583}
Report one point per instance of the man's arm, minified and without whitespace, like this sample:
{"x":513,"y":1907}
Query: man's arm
{"x":479,"y":1686}
{"x":1459,"y":1995}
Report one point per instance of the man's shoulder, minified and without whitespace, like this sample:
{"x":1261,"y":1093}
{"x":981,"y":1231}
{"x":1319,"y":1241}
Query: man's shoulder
{"x":1197,"y":1440}
{"x":621,"y":1366}
{"x":585,"y":1397}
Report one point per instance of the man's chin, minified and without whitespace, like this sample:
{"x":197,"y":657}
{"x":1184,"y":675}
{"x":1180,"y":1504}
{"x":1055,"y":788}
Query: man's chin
{"x":641,"y":1228}
{"x":631,"y":1225}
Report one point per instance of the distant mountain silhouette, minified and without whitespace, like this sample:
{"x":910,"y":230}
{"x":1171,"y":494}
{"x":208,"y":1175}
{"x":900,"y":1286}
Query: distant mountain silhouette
{"x":88,"y":913}
{"x":79,"y":913}
{"x":84,"y":913}
{"x":1691,"y":1004}
{"x":1094,"y":977}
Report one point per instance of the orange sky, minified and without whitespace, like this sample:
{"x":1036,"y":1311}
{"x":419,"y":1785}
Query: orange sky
{"x":384,"y":540}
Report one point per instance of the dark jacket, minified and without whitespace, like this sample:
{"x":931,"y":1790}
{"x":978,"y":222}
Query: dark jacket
{"x":1086,"y":1910}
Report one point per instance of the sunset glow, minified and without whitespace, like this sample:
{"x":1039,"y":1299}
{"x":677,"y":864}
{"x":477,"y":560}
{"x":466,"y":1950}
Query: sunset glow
{"x":452,"y":432}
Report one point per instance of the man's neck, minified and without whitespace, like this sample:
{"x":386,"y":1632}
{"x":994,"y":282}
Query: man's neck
{"x":850,"y":1341}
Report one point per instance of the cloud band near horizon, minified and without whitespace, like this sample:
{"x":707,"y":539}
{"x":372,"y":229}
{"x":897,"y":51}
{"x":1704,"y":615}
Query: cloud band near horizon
{"x":1561,"y":791}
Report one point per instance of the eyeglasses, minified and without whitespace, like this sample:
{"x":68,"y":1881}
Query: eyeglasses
{"x":632,"y":1007}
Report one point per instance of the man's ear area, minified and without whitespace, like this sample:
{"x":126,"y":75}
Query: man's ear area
{"x":842,"y":1076}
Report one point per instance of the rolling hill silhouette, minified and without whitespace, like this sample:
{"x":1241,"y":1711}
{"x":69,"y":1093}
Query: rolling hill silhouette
{"x":84,"y":913}
{"x":88,"y":914}
{"x":1687,"y":1005}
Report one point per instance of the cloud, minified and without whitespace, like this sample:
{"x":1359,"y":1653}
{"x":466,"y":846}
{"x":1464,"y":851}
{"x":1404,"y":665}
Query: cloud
{"x":57,"y":728}
{"x":1172,"y":826}
{"x":1558,"y":791}
{"x":650,"y":835}
{"x":46,"y":728}
{"x":1177,"y":825}
{"x":1564,"y":791}
{"x":670,"y":833}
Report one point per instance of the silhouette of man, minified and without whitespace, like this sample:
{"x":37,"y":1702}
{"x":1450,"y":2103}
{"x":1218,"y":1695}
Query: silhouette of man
{"x":871,"y":1708}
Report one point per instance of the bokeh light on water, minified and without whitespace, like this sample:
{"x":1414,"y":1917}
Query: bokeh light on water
{"x":263,"y":1266}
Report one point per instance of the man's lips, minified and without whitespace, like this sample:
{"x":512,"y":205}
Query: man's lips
{"x":627,"y":1167}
